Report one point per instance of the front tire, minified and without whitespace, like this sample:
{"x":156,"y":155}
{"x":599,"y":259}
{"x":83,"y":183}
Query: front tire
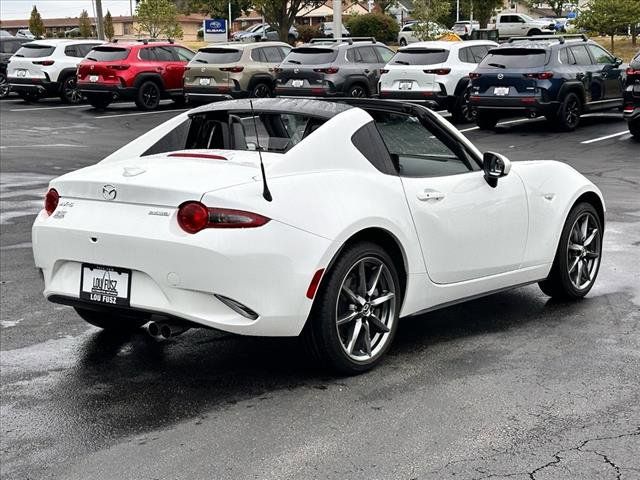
{"x":69,"y":92}
{"x":577,"y":259}
{"x":148,"y":96}
{"x":112,"y":322}
{"x":462,"y":111}
{"x":355,"y":314}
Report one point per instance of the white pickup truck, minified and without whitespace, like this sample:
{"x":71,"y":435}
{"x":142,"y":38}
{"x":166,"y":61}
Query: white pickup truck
{"x":520,"y":25}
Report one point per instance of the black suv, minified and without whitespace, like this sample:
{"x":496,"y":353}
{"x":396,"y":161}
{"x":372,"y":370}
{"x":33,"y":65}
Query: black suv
{"x":8,"y":46}
{"x":560,"y":77}
{"x":632,"y":97}
{"x":342,"y":67}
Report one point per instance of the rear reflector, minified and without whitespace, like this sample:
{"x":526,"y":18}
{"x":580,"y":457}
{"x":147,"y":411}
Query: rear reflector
{"x":194,"y":216}
{"x":527,"y":100}
{"x":315,"y":282}
{"x":198,"y":155}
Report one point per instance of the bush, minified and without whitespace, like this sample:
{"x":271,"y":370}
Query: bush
{"x":383,"y":27}
{"x":307,"y":32}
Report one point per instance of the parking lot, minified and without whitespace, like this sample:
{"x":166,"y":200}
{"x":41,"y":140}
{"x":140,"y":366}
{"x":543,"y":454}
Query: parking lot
{"x":513,"y":385}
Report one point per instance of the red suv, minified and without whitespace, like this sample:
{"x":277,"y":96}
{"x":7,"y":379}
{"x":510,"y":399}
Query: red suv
{"x":144,"y":72}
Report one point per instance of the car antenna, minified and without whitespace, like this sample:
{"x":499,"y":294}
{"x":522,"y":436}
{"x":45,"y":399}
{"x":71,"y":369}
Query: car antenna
{"x":265,"y":188}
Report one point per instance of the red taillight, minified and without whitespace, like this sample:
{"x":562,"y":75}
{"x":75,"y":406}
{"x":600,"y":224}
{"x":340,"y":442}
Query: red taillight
{"x":194,"y":216}
{"x":438,"y":71}
{"x":474,"y":75}
{"x":118,"y":67}
{"x":232,"y":69}
{"x":540,"y":76}
{"x":315,"y":282}
{"x":46,"y":63}
{"x":51,"y":201}
{"x":326,"y":70}
{"x":527,"y":100}
{"x":633,"y":71}
{"x":384,"y":70}
{"x":629,"y":108}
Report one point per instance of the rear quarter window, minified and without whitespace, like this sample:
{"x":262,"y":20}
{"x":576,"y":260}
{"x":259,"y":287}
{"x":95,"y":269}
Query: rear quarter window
{"x":515,"y":58}
{"x":311,"y":56}
{"x":107,"y":54}
{"x":217,"y":55}
{"x":35,"y":51}
{"x":420,"y":56}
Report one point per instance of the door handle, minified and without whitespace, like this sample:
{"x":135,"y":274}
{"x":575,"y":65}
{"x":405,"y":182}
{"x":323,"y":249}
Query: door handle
{"x":579,"y":76}
{"x":366,"y":70}
{"x":430,"y":195}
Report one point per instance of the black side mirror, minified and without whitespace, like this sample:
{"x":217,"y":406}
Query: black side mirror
{"x":495,"y":166}
{"x":618,"y":62}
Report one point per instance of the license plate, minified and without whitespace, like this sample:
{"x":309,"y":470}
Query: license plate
{"x":406,"y":85}
{"x":105,"y":285}
{"x":205,"y":81}
{"x":297,"y":83}
{"x":93,"y":78}
{"x":502,"y":91}
{"x":21,"y":73}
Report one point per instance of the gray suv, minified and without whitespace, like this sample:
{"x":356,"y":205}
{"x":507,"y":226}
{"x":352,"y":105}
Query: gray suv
{"x":343,"y":67}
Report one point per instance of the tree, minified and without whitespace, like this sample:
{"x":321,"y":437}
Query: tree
{"x":482,"y":10}
{"x":609,"y":16}
{"x":281,"y":14}
{"x":84,"y":24}
{"x":36,"y":25}
{"x":158,"y":17}
{"x":428,"y":13}
{"x":108,"y":26}
{"x":382,"y":27}
{"x":220,"y":8}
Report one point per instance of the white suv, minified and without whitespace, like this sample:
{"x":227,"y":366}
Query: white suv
{"x":47,"y":68}
{"x":435,"y":74}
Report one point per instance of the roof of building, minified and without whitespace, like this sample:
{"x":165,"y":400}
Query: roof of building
{"x":74,"y":21}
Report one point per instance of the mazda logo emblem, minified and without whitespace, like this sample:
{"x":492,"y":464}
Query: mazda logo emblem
{"x":92,"y":67}
{"x":296,"y":70}
{"x":500,"y":76}
{"x":109,"y":192}
{"x":203,"y":69}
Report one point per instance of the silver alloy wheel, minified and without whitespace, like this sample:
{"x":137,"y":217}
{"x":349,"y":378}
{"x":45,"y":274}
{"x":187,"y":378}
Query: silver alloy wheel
{"x":365,"y":309}
{"x":357,"y":92}
{"x":583,"y":251}
{"x":4,"y":86}
{"x":71,"y":92}
{"x":261,"y":91}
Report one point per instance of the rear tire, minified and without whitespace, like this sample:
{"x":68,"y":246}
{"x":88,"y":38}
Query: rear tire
{"x":5,"y":88}
{"x":261,"y":90}
{"x":462,"y":111}
{"x":113,"y":322}
{"x":634,"y":129}
{"x":486,"y":121}
{"x":148,"y":96}
{"x":533,"y":31}
{"x":403,"y":42}
{"x":568,"y":116}
{"x":99,"y":102}
{"x":577,"y":259}
{"x":69,"y":92}
{"x":357,"y":90}
{"x":355,"y":317}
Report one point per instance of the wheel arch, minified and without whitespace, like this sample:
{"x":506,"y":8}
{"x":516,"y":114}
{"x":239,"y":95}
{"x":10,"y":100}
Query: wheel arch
{"x":593,"y":199}
{"x":573,"y":87}
{"x":357,"y":80}
{"x":144,"y":76}
{"x":260,"y":78}
{"x":63,"y":75}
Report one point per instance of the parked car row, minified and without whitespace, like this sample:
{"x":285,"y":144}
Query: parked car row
{"x":558,"y":77}
{"x":631,"y":110}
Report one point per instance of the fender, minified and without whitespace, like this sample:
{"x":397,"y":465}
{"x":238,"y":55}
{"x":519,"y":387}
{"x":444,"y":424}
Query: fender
{"x":261,"y":78}
{"x":357,"y":79}
{"x":144,"y":76}
{"x":573,"y":85}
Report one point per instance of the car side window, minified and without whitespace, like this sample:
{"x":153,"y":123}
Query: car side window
{"x":367,"y":55}
{"x":601,"y":56}
{"x":566,"y":57}
{"x":147,"y":54}
{"x":479,"y":52}
{"x":284,"y":51}
{"x":465,"y":55}
{"x":184,"y":54}
{"x":258,"y":55}
{"x":416,"y":151}
{"x":581,"y":55}
{"x":272,"y":54}
{"x":407,"y":28}
{"x":165,"y":54}
{"x":72,"y":51}
{"x":385,"y":54}
{"x":353,"y":55}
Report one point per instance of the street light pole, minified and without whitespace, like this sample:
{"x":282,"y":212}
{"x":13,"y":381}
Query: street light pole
{"x":337,"y":18}
{"x":457,"y":10}
{"x":99,"y":20}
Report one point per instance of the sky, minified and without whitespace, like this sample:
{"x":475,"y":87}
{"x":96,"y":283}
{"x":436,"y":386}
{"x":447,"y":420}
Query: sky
{"x":21,"y":9}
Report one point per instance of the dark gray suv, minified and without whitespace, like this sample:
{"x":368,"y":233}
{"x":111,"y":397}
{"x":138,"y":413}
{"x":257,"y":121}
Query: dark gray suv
{"x":343,"y":67}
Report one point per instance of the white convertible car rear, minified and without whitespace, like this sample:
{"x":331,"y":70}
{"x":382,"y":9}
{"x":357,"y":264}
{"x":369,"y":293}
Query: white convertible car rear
{"x":362,"y":213}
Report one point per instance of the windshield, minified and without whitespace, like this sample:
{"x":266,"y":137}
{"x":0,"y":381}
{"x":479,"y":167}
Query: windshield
{"x":311,"y":56}
{"x":33,"y":50}
{"x":107,"y":54}
{"x":514,"y":58}
{"x":217,"y":55}
{"x":420,"y":56}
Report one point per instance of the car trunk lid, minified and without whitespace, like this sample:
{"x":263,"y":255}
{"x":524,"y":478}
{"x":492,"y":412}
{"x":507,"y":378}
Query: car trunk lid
{"x":514,"y":69}
{"x":213,"y":66}
{"x":415,"y":69}
{"x":306,"y":67}
{"x":103,"y":63}
{"x":29,"y":60}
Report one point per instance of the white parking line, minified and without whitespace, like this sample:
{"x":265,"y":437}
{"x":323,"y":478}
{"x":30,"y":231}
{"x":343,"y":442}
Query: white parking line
{"x":520,"y":120}
{"x":46,"y":108}
{"x":52,"y":145}
{"x":142,"y":113}
{"x":606,"y":137}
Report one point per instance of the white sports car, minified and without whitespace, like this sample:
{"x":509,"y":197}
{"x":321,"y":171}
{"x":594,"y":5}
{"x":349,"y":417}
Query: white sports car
{"x":331,"y":220}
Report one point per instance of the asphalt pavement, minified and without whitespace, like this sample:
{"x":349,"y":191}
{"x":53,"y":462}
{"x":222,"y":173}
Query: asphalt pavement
{"x":513,"y":385}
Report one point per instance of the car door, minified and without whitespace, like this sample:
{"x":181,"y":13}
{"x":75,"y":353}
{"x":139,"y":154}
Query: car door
{"x":369,"y":67}
{"x":588,"y":72}
{"x":170,"y":67}
{"x":609,"y":71}
{"x":466,"y":228}
{"x":384,"y":56}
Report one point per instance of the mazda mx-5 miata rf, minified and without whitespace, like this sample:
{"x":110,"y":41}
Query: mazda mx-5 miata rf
{"x":330,"y":220}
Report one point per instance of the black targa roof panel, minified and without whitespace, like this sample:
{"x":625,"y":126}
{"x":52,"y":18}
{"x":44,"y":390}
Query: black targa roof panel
{"x":301,"y":106}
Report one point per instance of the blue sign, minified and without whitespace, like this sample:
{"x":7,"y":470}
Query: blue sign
{"x":214,"y":26}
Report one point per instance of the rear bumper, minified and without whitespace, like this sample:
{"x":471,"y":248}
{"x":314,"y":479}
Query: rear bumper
{"x":513,"y":104}
{"x":426,"y":98}
{"x":267,"y":269}
{"x":115,"y":91}
{"x":632,"y":115}
{"x":213,"y":93}
{"x":307,"y":92}
{"x":33,"y":85}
